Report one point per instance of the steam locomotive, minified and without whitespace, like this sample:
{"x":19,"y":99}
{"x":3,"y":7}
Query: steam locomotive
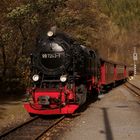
{"x":64,"y":73}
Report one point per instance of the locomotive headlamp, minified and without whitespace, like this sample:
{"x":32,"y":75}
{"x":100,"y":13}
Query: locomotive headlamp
{"x":63,"y":78}
{"x":50,"y":34}
{"x":35,"y":77}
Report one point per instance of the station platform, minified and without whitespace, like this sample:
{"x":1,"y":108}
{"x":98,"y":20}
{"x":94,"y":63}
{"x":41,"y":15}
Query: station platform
{"x":116,"y":116}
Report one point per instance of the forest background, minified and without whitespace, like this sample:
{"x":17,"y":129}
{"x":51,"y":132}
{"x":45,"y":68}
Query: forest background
{"x":110,"y":26}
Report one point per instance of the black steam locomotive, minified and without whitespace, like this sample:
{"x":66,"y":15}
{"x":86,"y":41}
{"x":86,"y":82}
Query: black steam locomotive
{"x":63,"y":73}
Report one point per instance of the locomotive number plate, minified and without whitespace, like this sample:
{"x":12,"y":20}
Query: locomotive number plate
{"x":46,"y":55}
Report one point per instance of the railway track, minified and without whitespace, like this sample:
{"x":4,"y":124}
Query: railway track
{"x":135,"y":90}
{"x":33,"y":129}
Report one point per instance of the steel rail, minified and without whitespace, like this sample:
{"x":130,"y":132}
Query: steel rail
{"x":134,"y":85}
{"x":51,"y":126}
{"x":51,"y":123}
{"x":17,"y":127}
{"x":136,"y":93}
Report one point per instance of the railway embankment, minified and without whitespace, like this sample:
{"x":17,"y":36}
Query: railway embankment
{"x":11,"y":113}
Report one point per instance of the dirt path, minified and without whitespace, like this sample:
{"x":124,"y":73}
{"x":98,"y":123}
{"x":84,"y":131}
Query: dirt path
{"x":11,"y":113}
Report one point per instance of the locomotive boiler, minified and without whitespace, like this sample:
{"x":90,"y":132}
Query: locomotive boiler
{"x":63,"y":74}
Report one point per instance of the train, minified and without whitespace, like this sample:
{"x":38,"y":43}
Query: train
{"x":65,"y":73}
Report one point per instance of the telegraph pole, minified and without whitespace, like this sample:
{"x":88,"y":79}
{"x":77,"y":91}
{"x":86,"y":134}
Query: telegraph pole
{"x":135,"y":58}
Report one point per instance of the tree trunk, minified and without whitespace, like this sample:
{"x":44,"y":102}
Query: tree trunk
{"x":3,"y":59}
{"x":24,"y":39}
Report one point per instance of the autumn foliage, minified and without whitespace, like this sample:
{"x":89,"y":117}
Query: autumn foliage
{"x":110,"y":26}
